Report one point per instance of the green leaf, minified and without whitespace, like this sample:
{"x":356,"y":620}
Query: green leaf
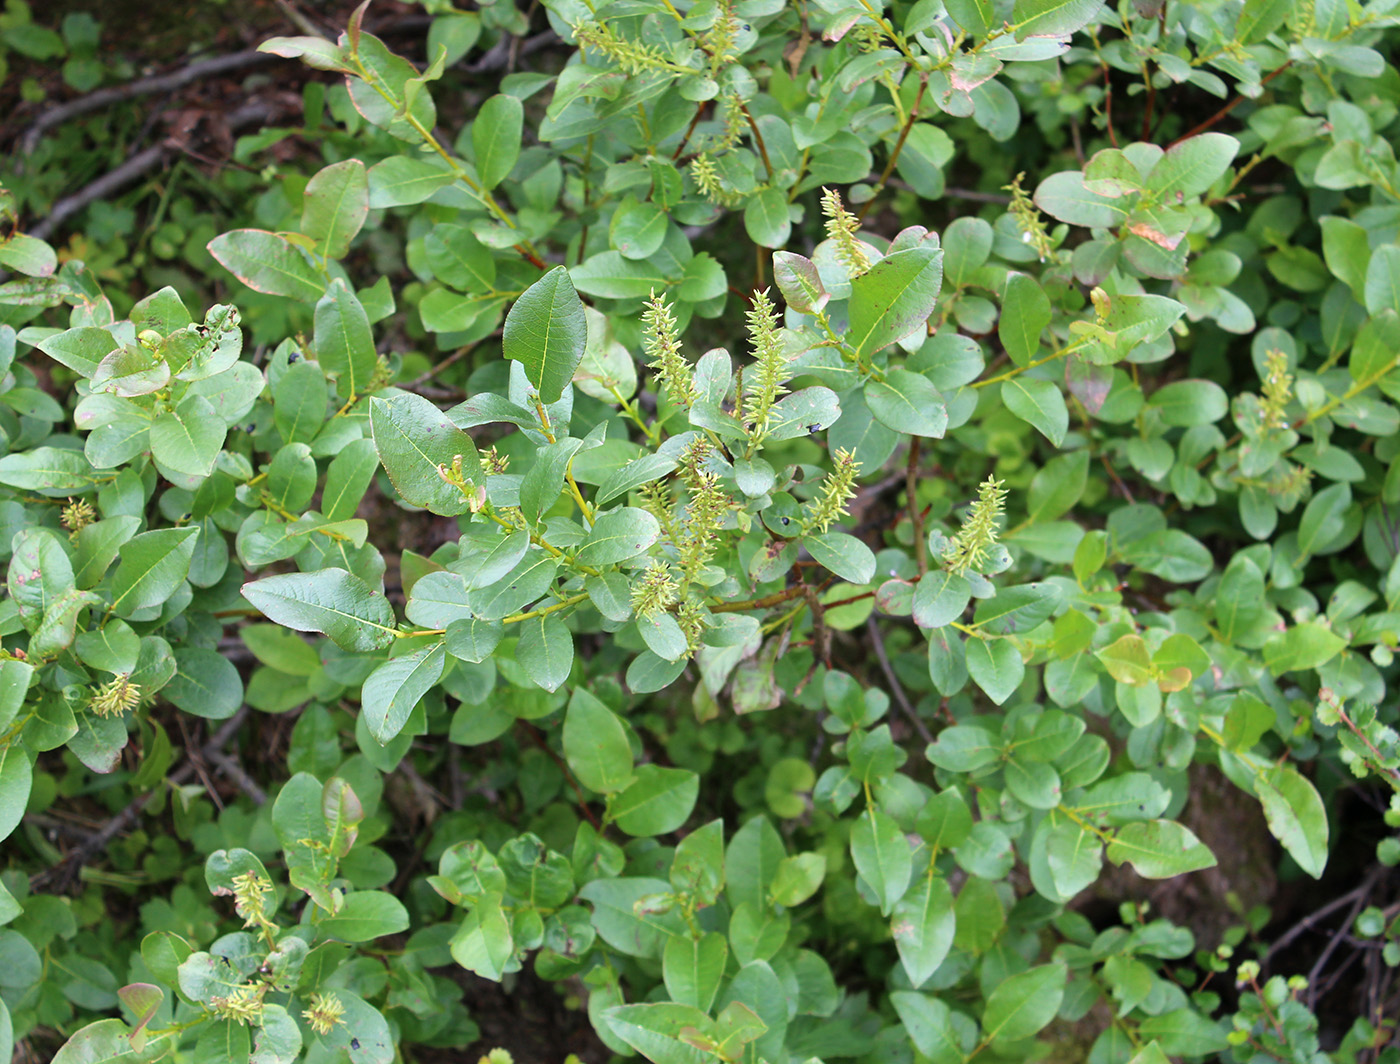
{"x":798,"y":878}
{"x":1191,"y":166}
{"x":1025,"y":314}
{"x":1347,"y":250}
{"x":401,"y":181}
{"x":366,"y":915}
{"x":413,"y":438}
{"x":843,"y":555}
{"x":1052,"y":18}
{"x":1127,"y":660}
{"x":882,"y":857}
{"x":638,"y":229}
{"x":49,"y":471}
{"x":1304,"y":646}
{"x":940,"y":598}
{"x":1383,"y":280}
{"x":1186,"y":403}
{"x":929,"y":1024}
{"x":1159,"y":849}
{"x":81,"y":349}
{"x":596,"y":745}
{"x":395,"y":687}
{"x":656,"y":1030}
{"x":996,"y":666}
{"x":1039,"y":403}
{"x":299,"y":403}
{"x":268,"y":263}
{"x":766,"y":218}
{"x":483,"y":943}
{"x":331,"y":601}
{"x":496,"y":133}
{"x":1033,"y":783}
{"x":1259,"y":18}
{"x":635,"y":930}
{"x":1023,"y":1004}
{"x":800,"y":283}
{"x":908,"y":402}
{"x":16,"y":778}
{"x":205,"y":683}
{"x":97,"y":1043}
{"x":546,"y":332}
{"x":964,"y":748}
{"x":545,"y":650}
{"x":189,"y":438}
{"x":894,"y":299}
{"x":617,"y":536}
{"x":344,"y":343}
{"x":152,"y":566}
{"x":657,"y":800}
{"x":1184,"y":1033}
{"x":1064,"y":196}
{"x":693,"y":969}
{"x":923,"y":926}
{"x":334,"y":207}
{"x":1296,"y":816}
{"x":1075,"y":857}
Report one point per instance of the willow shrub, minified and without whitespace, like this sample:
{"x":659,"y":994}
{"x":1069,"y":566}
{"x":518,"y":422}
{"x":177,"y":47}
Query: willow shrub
{"x":802,"y":688}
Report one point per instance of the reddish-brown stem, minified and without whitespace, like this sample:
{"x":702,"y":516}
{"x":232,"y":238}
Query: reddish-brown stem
{"x":916,"y":516}
{"x":534,"y":260}
{"x":1108,"y":106}
{"x":1151,"y":103}
{"x":898,"y":147}
{"x":539,"y":741}
{"x":1213,"y":119}
{"x":758,"y":140}
{"x":680,"y":148}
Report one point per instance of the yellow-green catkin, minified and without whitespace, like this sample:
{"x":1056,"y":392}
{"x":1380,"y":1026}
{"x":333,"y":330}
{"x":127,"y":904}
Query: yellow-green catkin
{"x":115,"y":697}
{"x":243,"y":1004}
{"x":837,"y":490}
{"x":734,"y":124}
{"x":705,"y":511}
{"x":656,"y":591}
{"x":969,"y":547}
{"x":1028,"y":219}
{"x":250,"y":892}
{"x":721,"y":39}
{"x":77,"y":515}
{"x":324,"y":1012}
{"x":770,"y":369}
{"x":663,"y":347}
{"x":1278,"y":390}
{"x":633,"y":57}
{"x":841,"y":228}
{"x":706,"y":177}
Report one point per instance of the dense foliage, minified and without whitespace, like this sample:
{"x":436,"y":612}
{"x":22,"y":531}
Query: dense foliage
{"x":835,"y":601}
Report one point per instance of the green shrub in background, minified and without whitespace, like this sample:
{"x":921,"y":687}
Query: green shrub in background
{"x":798,"y":690}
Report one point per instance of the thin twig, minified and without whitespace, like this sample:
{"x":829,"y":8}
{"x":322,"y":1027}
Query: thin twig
{"x":1311,"y":920}
{"x":1213,"y":119}
{"x":128,"y":172}
{"x":896,"y":688}
{"x":563,"y":767}
{"x":894,"y":155}
{"x":67,"y":870}
{"x":916,"y":516}
{"x":1317,"y":969}
{"x":450,"y":360}
{"x":95,"y":101}
{"x":680,"y":148}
